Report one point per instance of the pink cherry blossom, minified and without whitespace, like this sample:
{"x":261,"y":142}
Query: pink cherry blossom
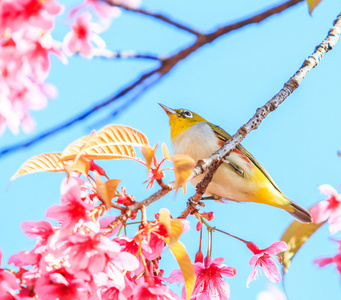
{"x":59,"y":284}
{"x":81,"y":36}
{"x":16,"y":14}
{"x":263,"y":259}
{"x":321,"y":262}
{"x":209,"y":283}
{"x":73,"y":208}
{"x":329,"y":209}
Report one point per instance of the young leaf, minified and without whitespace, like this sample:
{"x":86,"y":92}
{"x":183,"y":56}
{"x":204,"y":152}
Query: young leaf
{"x":183,"y":165}
{"x":106,"y":190}
{"x":312,"y":4}
{"x":165,"y":152}
{"x":295,"y":236}
{"x":71,"y":151}
{"x":148,"y":154}
{"x":81,"y":166}
{"x":49,"y":162}
{"x":111,"y":142}
{"x":187,"y":268}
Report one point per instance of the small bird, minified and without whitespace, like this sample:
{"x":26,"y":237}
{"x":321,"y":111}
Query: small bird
{"x":240,"y":178}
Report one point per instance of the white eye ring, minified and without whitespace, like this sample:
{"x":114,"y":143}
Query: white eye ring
{"x":187,"y":114}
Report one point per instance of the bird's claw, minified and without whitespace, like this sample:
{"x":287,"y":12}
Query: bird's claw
{"x":194,"y":204}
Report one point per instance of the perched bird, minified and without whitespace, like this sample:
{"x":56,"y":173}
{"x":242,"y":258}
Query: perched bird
{"x":241,"y":177}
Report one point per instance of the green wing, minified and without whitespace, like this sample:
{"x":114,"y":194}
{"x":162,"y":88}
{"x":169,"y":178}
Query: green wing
{"x":223,"y":135}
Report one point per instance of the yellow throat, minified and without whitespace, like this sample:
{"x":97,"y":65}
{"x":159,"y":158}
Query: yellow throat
{"x":181,"y":119}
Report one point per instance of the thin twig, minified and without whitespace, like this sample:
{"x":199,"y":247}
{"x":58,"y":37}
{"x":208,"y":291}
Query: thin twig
{"x":158,"y":16}
{"x":215,"y":160}
{"x":137,"y":206}
{"x":151,"y":77}
{"x":126,"y":54}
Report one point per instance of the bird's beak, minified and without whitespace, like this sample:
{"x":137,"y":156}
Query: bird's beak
{"x":168,"y":110}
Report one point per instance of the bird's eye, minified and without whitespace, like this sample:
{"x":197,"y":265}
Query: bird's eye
{"x":187,"y":114}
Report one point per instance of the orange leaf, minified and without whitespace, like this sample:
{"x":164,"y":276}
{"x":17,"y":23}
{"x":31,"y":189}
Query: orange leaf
{"x":49,"y":162}
{"x":111,"y":142}
{"x":295,"y":236}
{"x":73,"y":149}
{"x":165,"y":152}
{"x":148,"y":154}
{"x":186,"y":266}
{"x":82,"y":166}
{"x":106,"y":190}
{"x":183,"y":165}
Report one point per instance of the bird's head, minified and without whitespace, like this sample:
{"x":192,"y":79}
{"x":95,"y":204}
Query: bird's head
{"x":181,"y":119}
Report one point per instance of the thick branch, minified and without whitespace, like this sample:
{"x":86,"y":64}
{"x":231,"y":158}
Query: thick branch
{"x":215,"y":160}
{"x":150,"y":78}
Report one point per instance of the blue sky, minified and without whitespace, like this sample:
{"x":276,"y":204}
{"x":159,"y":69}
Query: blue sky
{"x":225,"y":82}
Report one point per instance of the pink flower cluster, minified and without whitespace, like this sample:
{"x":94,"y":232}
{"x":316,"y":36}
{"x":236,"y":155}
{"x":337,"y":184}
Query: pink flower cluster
{"x":25,"y":43}
{"x":81,"y":260}
{"x":329,"y":210}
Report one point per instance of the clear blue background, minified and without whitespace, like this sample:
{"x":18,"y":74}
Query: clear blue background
{"x":225,"y":82}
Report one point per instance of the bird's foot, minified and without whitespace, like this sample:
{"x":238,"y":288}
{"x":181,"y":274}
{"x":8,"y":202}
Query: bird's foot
{"x":194,"y":203}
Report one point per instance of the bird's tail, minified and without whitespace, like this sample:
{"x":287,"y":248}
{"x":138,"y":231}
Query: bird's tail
{"x":299,"y":213}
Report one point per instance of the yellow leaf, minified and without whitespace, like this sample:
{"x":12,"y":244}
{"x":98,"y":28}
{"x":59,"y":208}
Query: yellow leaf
{"x":187,"y":268}
{"x":81,"y":166}
{"x":148,"y":154}
{"x":183,"y":165}
{"x":49,"y":162}
{"x":177,"y":228}
{"x":106,"y":190}
{"x":165,"y":152}
{"x":312,"y":4}
{"x":111,"y":142}
{"x":295,"y":236}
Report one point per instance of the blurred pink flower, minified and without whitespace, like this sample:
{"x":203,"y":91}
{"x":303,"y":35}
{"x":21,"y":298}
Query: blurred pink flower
{"x":263,"y":259}
{"x":329,"y":209}
{"x":82,"y":34}
{"x":272,"y":293}
{"x":321,"y":262}
{"x":8,"y":283}
{"x":103,"y":9}
{"x":24,"y":65}
{"x":209,"y":283}
{"x":16,"y":14}
{"x":151,"y":291}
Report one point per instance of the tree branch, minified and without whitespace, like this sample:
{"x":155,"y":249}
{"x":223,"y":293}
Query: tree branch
{"x":105,"y":53}
{"x":156,"y":16}
{"x":214,"y":161}
{"x":151,"y":77}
